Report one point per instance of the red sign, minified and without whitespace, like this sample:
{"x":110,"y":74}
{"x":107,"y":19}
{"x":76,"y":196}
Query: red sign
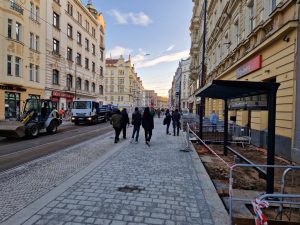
{"x":62,"y":94}
{"x":249,"y":67}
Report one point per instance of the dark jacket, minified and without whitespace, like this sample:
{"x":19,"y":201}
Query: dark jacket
{"x":148,"y":121}
{"x":176,"y":118}
{"x":125,"y":120}
{"x":136,"y":118}
{"x":116,"y":120}
{"x":168,"y":118}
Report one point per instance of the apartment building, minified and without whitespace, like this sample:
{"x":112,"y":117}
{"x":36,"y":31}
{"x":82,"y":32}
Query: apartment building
{"x":121,"y":83}
{"x":255,"y":40}
{"x":185,"y":83}
{"x":22,"y":64}
{"x":75,"y":46}
{"x":150,"y":98}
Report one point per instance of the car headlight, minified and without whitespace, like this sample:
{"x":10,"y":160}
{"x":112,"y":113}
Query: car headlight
{"x":73,"y":118}
{"x":90,"y":118}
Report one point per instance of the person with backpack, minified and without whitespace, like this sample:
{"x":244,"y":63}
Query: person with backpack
{"x":136,"y":121}
{"x":148,"y":125}
{"x":116,"y":121}
{"x":167,"y":120}
{"x":176,"y":121}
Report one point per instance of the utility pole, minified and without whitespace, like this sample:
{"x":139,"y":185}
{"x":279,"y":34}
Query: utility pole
{"x":202,"y":71}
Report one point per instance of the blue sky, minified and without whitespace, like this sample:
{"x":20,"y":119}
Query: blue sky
{"x":156,"y":27}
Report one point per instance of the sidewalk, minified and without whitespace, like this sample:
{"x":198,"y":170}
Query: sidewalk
{"x":133,"y":184}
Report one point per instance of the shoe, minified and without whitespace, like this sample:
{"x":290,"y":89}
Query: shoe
{"x":147,"y":143}
{"x":124,"y":137}
{"x":116,"y":141}
{"x":131,"y":141}
{"x":136,"y":142}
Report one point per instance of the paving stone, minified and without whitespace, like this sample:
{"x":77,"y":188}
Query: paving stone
{"x":154,"y":221}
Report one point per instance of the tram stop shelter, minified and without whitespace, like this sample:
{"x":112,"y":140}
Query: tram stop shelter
{"x":228,"y":90}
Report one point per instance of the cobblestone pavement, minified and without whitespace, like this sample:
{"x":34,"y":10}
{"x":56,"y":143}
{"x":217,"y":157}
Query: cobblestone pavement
{"x":136,"y":185}
{"x":22,"y":185}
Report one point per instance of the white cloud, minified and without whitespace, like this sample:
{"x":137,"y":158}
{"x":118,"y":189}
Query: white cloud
{"x":163,"y":59}
{"x":140,"y":18}
{"x":117,"y":51}
{"x":170,"y":48}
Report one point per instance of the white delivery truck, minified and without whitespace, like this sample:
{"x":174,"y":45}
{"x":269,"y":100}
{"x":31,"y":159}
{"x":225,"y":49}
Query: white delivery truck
{"x":88,"y":112}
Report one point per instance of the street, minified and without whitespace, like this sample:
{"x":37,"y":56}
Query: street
{"x":17,"y":151}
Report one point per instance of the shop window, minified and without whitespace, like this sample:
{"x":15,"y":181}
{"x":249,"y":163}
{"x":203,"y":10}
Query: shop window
{"x":12,"y":105}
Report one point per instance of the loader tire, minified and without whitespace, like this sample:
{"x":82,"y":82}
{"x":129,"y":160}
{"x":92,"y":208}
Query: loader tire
{"x":32,"y":130}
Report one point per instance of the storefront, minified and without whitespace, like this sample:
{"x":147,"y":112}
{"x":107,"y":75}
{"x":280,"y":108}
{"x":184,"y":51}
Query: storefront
{"x":62,"y":100}
{"x":12,"y":98}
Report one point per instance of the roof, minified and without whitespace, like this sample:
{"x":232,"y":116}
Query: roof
{"x":227,"y":89}
{"x":111,"y":61}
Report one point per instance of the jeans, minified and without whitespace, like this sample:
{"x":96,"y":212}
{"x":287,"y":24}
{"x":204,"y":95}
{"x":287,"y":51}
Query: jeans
{"x":175,"y":125}
{"x":148,"y":135}
{"x":136,"y":129}
{"x":214,"y":128}
{"x":168,"y":126}
{"x":117,"y":133}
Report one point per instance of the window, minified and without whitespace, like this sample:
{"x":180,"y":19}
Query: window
{"x":69,"y":82}
{"x":37,"y":74}
{"x":93,"y":87}
{"x":112,"y":98}
{"x":31,"y":66}
{"x":251,"y":16}
{"x":37,"y":13}
{"x":93,"y":32}
{"x":55,"y":77}
{"x":101,"y":90}
{"x":273,"y":5}
{"x":18,"y":31}
{"x":79,"y":17}
{"x":101,"y":55}
{"x":121,"y":89}
{"x":70,"y":31}
{"x":86,"y":63}
{"x":78,"y":59}
{"x":18,"y":67}
{"x":101,"y":71}
{"x":55,"y":46}
{"x":87,"y":26}
{"x":78,"y":83}
{"x":70,"y":9}
{"x":86,"y":85}
{"x":37,"y":43}
{"x":55,"y":20}
{"x":31,"y":10}
{"x":87,"y":44}
{"x":9,"y":28}
{"x":235,"y":33}
{"x":69,"y":54}
{"x":9,"y":65}
{"x":31,"y":40}
{"x":78,"y":38}
{"x":122,"y":99}
{"x":12,"y":105}
{"x":93,"y":49}
{"x":121,"y":81}
{"x":93,"y":67}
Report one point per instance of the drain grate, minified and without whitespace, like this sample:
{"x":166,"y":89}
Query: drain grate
{"x":131,"y":189}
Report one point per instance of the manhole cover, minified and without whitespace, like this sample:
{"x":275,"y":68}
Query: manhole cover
{"x":129,"y":189}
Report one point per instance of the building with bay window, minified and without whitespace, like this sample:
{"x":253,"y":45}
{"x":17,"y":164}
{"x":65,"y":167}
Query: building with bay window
{"x":22,"y":49}
{"x":75,"y":47}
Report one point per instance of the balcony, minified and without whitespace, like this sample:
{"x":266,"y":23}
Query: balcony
{"x":14,"y":6}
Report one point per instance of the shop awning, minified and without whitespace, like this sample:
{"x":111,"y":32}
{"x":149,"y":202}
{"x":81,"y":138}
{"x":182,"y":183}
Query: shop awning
{"x":227,"y":89}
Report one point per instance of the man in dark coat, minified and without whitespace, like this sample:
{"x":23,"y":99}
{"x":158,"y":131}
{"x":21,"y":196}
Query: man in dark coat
{"x":136,"y":121}
{"x":148,"y":125}
{"x":125,"y":122}
{"x":176,"y":121}
{"x":116,"y":121}
{"x":167,"y":120}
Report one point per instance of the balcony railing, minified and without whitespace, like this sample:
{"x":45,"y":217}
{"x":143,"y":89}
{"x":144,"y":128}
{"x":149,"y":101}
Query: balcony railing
{"x":16,"y":7}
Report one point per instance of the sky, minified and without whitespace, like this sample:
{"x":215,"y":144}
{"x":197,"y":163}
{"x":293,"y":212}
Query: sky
{"x":154,"y":32}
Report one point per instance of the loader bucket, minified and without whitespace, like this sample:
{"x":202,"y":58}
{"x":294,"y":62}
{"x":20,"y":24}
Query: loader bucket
{"x":12,"y":129}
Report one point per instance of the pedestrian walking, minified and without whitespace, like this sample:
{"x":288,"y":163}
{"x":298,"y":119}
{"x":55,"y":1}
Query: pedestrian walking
{"x":158,"y":113}
{"x":61,"y":113}
{"x":116,"y":121}
{"x":167,"y":120}
{"x":125,"y":122}
{"x":148,"y":125}
{"x":136,"y":121}
{"x":176,"y":122}
{"x":214,"y":119}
